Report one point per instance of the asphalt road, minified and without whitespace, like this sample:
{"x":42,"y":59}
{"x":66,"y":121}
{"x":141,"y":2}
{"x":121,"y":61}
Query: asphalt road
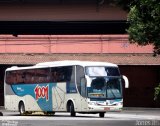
{"x":124,"y":118}
{"x":69,"y":123}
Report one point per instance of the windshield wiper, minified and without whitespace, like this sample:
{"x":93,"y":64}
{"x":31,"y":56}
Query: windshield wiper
{"x":114,"y":96}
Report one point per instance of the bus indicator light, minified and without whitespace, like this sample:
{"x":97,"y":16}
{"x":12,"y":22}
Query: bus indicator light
{"x":41,"y":92}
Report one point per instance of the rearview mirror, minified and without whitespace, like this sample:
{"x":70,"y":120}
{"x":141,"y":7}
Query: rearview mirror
{"x":126,"y":81}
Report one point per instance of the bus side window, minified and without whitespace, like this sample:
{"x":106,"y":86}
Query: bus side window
{"x":30,"y":76}
{"x":10,"y":77}
{"x":42,"y":75}
{"x":53,"y":75}
{"x":20,"y":76}
{"x":62,"y":74}
{"x":15,"y":77}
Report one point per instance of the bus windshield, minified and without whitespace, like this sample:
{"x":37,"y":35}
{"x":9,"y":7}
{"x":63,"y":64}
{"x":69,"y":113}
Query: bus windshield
{"x":105,"y":87}
{"x":101,"y":71}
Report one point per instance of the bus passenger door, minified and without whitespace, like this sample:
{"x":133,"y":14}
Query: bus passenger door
{"x":81,"y":86}
{"x":83,"y":95}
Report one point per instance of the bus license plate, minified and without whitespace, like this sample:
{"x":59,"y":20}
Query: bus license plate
{"x":106,"y":108}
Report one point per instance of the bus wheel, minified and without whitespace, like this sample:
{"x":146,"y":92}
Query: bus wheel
{"x":101,"y":114}
{"x":72,"y":109}
{"x":1,"y":114}
{"x":21,"y":108}
{"x":50,"y":113}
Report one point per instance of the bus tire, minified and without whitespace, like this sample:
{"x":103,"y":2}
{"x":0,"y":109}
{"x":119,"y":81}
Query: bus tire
{"x":72,"y":111}
{"x":21,"y":108}
{"x":50,"y":113}
{"x":101,"y":114}
{"x":1,"y":114}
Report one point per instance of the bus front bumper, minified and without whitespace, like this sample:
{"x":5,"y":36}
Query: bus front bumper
{"x":95,"y":108}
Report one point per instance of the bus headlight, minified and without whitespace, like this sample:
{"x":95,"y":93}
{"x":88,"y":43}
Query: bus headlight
{"x":120,"y":104}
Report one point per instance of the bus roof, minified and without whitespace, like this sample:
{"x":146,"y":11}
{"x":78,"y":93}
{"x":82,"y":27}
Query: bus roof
{"x":75,"y":62}
{"x":64,"y":63}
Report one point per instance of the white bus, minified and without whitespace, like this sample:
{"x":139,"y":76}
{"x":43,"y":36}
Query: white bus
{"x":64,"y":86}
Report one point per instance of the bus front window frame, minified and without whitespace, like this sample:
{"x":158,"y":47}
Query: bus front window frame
{"x":106,"y":74}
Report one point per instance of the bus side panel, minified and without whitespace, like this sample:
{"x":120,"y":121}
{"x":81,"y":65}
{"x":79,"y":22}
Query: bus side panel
{"x":84,"y":104}
{"x":36,"y":97}
{"x":11,"y":102}
{"x":10,"y":98}
{"x":76,"y":99}
{"x":58,"y":97}
{"x":31,"y":104}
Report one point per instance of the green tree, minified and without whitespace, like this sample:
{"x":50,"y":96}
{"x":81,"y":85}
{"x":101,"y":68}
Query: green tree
{"x":144,"y":20}
{"x":157,"y":92}
{"x":144,"y":26}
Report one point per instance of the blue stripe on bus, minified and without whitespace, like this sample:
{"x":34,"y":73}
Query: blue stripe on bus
{"x":38,"y":92}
